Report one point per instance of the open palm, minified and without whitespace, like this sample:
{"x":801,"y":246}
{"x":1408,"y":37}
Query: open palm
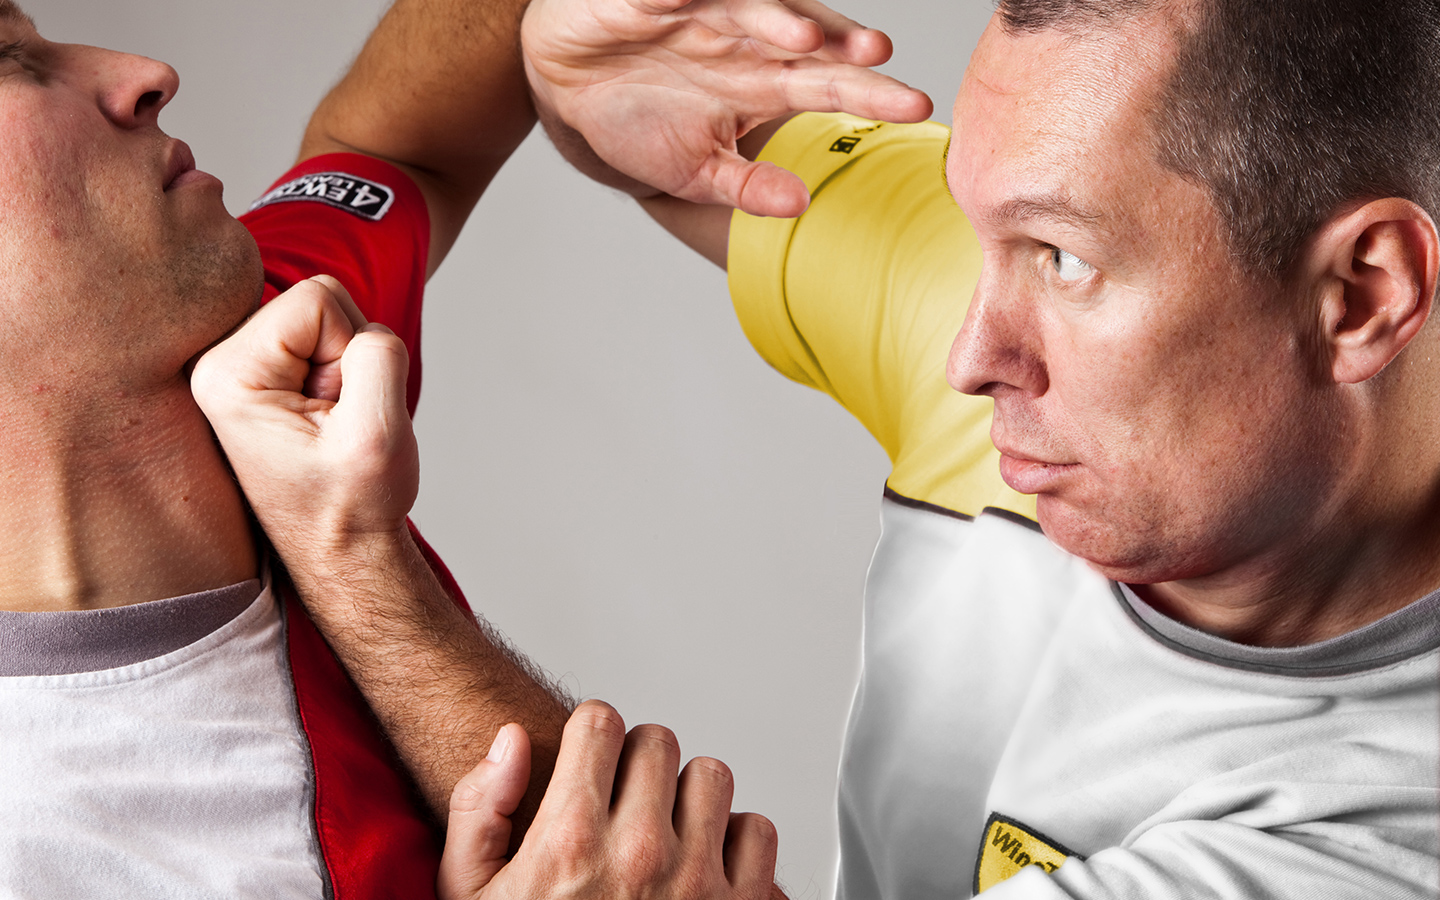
{"x":662,"y":89}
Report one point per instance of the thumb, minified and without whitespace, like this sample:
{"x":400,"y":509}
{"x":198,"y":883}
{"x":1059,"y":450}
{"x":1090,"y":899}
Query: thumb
{"x":758,"y":188}
{"x":479,"y":831}
{"x":373,"y":370}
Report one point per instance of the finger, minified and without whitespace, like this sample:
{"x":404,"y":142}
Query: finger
{"x":584,"y":778}
{"x":774,"y":23}
{"x":478,"y":833}
{"x":658,"y":7}
{"x":826,"y":87}
{"x":758,"y":188}
{"x":846,"y":40}
{"x":702,"y":807}
{"x":750,"y":847}
{"x":644,"y":806}
{"x":646,"y":777}
{"x":342,"y":296}
{"x":323,"y":380}
{"x":373,"y":371}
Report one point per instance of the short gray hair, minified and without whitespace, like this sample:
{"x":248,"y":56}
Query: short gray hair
{"x":1288,"y":110}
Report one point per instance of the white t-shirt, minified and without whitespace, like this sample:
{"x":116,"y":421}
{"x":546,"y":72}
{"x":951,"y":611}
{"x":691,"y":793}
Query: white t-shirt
{"x":154,"y":751}
{"x":1017,"y":710}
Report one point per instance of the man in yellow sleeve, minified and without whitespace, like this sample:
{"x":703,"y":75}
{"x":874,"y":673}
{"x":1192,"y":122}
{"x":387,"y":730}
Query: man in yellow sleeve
{"x":1154,"y":612}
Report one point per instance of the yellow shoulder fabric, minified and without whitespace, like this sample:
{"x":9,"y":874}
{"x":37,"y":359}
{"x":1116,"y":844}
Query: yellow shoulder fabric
{"x":862,"y":296}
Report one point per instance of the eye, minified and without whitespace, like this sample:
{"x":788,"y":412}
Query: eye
{"x":12,"y":50}
{"x":1068,"y":266}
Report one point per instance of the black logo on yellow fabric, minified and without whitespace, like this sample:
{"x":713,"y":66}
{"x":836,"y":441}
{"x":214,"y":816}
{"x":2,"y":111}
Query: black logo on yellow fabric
{"x":1008,"y":846}
{"x":844,"y":144}
{"x":360,"y":196}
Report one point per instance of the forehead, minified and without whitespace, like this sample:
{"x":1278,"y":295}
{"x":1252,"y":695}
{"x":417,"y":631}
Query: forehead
{"x":1046,"y":117}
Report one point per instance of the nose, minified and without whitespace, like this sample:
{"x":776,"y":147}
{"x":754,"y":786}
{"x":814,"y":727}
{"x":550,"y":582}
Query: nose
{"x":133,"y":89}
{"x":999,"y":346}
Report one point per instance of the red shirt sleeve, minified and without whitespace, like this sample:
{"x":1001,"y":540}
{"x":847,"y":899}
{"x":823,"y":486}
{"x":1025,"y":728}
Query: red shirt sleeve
{"x":365,"y":222}
{"x":360,"y":220}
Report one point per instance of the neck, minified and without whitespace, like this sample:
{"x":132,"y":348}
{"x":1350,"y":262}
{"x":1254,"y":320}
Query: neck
{"x":1371,"y":552}
{"x":1320,"y":591}
{"x":113,"y":499}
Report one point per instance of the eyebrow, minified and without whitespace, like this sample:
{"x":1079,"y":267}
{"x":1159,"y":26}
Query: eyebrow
{"x":1057,"y":207}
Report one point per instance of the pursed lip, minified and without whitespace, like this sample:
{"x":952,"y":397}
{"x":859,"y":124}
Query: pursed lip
{"x":1027,"y":474}
{"x":180,"y":161}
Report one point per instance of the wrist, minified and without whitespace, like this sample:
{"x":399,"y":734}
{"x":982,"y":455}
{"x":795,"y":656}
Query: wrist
{"x":322,"y":553}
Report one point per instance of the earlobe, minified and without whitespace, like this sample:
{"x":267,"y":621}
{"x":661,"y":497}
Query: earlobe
{"x":1380,"y":261}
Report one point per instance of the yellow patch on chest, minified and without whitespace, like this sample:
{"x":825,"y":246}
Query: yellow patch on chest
{"x":1009,"y":846}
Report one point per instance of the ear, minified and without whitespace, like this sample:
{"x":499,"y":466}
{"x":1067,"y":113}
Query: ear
{"x":1377,"y":267}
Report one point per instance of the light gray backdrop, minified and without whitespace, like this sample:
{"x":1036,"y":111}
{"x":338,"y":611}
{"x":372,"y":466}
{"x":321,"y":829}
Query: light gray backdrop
{"x":618,"y":481}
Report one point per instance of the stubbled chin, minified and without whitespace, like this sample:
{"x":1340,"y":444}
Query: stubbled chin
{"x":1130,"y":553}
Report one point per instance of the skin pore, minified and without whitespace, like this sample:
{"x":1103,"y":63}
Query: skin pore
{"x":1226,"y":442}
{"x":118,"y":264}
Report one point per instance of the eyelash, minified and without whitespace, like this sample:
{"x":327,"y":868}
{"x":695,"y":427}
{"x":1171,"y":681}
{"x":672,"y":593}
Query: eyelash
{"x":12,"y":50}
{"x":1052,"y":254}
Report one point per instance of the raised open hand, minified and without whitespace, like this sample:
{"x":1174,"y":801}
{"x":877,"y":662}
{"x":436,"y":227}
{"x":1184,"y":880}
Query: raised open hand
{"x":660,"y":90}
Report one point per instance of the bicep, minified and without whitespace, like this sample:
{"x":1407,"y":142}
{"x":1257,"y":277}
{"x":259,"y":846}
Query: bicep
{"x":448,"y":204}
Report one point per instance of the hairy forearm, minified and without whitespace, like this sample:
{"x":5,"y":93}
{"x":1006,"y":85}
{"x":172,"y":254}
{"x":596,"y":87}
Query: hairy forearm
{"x":440,"y":686}
{"x":440,"y":89}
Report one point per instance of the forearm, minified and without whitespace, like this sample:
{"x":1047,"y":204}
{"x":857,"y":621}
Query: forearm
{"x":440,"y":686}
{"x":439,"y":88}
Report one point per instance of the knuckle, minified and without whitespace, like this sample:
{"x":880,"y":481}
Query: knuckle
{"x":763,"y":828}
{"x":712,"y":770}
{"x":311,"y":291}
{"x":573,"y":840}
{"x":657,"y":736}
{"x":597,"y":715}
{"x":643,"y":856}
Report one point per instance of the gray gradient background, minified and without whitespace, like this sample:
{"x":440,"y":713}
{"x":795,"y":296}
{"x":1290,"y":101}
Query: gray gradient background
{"x":619,"y":483}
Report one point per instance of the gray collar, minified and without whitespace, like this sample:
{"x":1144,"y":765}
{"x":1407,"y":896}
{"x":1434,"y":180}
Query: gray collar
{"x":63,"y":643}
{"x":1403,"y":634}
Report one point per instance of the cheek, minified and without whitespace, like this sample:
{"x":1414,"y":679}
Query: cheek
{"x":42,"y":193}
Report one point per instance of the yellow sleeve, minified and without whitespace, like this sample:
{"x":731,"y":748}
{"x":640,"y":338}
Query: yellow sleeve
{"x":862,"y":295}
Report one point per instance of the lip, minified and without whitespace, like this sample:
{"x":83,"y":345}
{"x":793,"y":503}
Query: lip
{"x":180,"y":162}
{"x":1031,"y":476}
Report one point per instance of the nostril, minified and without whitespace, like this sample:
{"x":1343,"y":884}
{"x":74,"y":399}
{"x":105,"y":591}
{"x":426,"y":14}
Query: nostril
{"x":148,"y":101}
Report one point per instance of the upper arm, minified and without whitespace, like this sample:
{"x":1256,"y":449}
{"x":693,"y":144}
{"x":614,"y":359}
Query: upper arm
{"x":447,"y":205}
{"x":862,"y":295}
{"x":439,"y":92}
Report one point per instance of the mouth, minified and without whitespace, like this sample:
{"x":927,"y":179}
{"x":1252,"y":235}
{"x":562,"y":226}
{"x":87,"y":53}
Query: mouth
{"x":179,"y":163}
{"x":1029,"y":475}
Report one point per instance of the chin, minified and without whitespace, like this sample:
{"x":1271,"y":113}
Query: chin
{"x":219,"y":284}
{"x":1125,"y":547}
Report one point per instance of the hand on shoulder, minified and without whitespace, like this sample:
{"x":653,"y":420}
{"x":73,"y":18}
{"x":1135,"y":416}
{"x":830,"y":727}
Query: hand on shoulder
{"x":616,"y":823}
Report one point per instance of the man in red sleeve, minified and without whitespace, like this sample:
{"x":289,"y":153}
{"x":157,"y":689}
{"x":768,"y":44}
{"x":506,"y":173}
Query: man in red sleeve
{"x":174,"y":724}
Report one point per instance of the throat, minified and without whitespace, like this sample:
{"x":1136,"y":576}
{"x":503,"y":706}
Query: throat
{"x":110,"y":504}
